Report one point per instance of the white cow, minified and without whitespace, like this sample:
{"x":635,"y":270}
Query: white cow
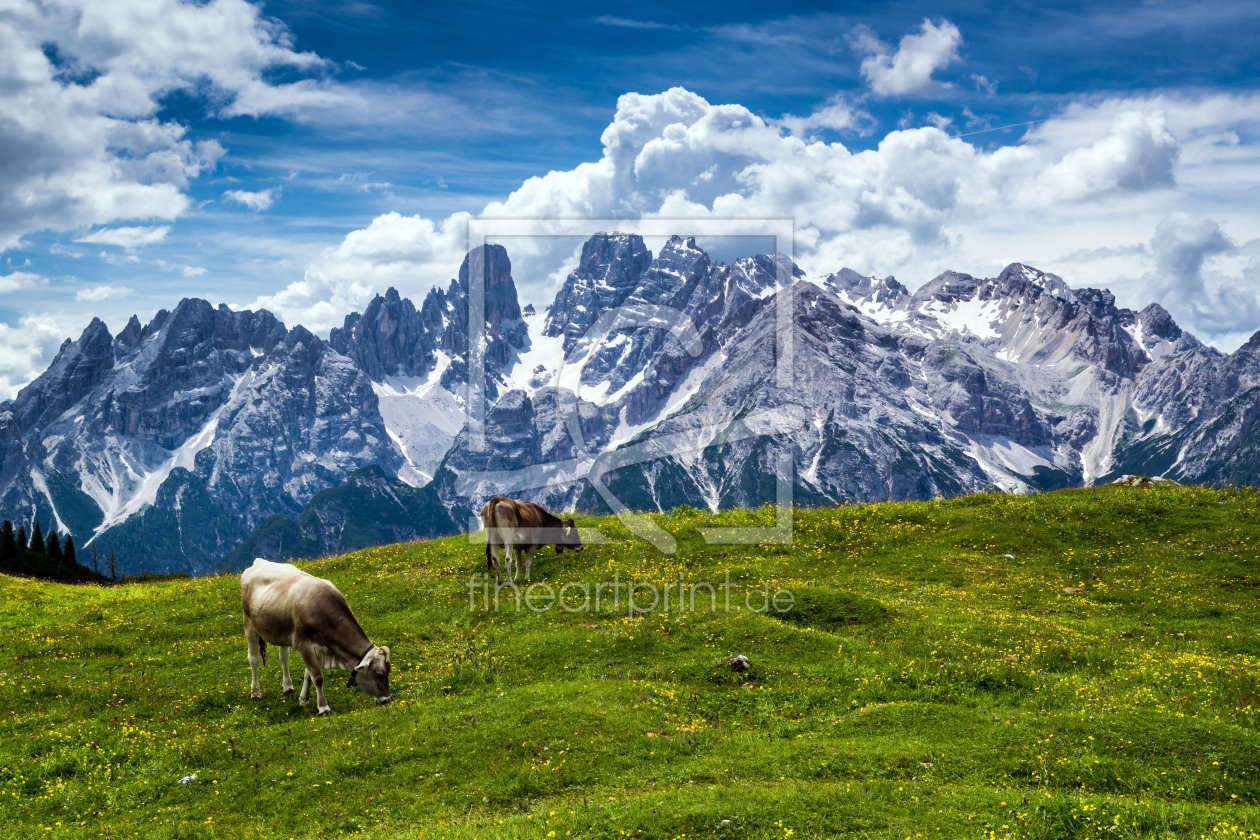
{"x":287,"y":607}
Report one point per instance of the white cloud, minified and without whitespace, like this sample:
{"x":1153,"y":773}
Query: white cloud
{"x":609,"y":20}
{"x":988,"y":88}
{"x":127,"y":237}
{"x":15,"y":280}
{"x":835,"y":114}
{"x":410,"y":253}
{"x":909,"y":70}
{"x":1096,"y":179}
{"x":1208,"y":300}
{"x":255,"y":201}
{"x":97,"y":293}
{"x":81,"y":85}
{"x":1137,"y":154}
{"x":25,"y":351}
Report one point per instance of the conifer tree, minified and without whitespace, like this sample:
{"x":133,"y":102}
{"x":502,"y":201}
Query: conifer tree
{"x":21,"y":537}
{"x":52,"y":545}
{"x":113,"y":566}
{"x":95,"y":564}
{"x":8,"y":547}
{"x":37,"y":539}
{"x":67,"y":549}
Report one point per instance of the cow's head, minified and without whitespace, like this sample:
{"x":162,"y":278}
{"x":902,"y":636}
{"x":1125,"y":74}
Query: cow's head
{"x":372,"y":674}
{"x":569,"y":538}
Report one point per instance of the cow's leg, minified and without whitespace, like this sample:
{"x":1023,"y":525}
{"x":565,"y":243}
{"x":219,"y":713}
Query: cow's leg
{"x":498,"y":566}
{"x":287,"y":684}
{"x":314,"y":674}
{"x":529,"y":560}
{"x":251,"y":639}
{"x":321,"y":705}
{"x":514,"y":566}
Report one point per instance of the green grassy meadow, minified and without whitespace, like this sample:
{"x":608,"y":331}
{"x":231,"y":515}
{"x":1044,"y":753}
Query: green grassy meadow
{"x":1099,"y":682}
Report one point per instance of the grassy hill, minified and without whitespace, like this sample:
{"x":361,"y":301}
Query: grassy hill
{"x":1100,"y":681}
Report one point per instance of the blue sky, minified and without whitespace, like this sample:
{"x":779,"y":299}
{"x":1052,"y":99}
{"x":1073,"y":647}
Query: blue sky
{"x":305,"y":155}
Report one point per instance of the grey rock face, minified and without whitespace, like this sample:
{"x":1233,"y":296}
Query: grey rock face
{"x":607,"y":273}
{"x":388,"y":339}
{"x":505,"y":331}
{"x":173,"y":441}
{"x":1016,"y":380}
{"x":851,"y":431}
{"x":392,"y":338}
{"x":229,"y":408}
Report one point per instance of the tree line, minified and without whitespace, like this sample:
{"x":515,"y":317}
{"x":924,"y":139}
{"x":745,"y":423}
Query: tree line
{"x":48,"y":556}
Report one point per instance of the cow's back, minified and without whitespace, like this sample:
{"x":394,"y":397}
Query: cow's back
{"x":278,"y":598}
{"x":500,"y":512}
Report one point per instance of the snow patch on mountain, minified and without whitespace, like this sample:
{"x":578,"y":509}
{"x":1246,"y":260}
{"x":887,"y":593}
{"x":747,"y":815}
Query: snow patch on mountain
{"x":185,"y":455}
{"x":972,"y":317}
{"x":41,"y":484}
{"x":422,"y":419}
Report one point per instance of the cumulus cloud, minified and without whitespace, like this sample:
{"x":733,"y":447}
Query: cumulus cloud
{"x":25,"y":351}
{"x":1211,"y":302}
{"x":16,"y":280}
{"x":919,"y":202}
{"x":1137,"y":154}
{"x":127,"y":237}
{"x":908,"y":70}
{"x":255,"y":201}
{"x":411,"y":253}
{"x":97,"y":293}
{"x":835,"y":114}
{"x":81,"y":86}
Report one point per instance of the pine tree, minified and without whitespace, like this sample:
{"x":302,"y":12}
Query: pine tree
{"x":113,"y":566}
{"x":52,"y":545}
{"x":21,"y":537}
{"x":95,"y":566}
{"x":68,"y":550}
{"x":8,"y":547}
{"x":37,"y":540}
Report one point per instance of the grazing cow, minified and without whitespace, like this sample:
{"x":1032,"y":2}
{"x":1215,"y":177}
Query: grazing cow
{"x":523,"y":527}
{"x":287,"y":607}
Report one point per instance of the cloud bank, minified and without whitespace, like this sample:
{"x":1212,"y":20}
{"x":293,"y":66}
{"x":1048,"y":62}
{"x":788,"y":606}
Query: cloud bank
{"x":922,"y":201}
{"x":81,"y":85}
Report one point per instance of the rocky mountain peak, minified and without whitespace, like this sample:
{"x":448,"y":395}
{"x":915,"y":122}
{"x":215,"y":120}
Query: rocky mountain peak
{"x":1018,"y":279}
{"x":130,"y":335}
{"x":607,"y":273}
{"x":77,"y":369}
{"x":503,"y":309}
{"x":870,"y":295}
{"x":389,"y":338}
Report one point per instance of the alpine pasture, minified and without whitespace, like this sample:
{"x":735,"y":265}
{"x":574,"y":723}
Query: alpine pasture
{"x":1081,"y":663}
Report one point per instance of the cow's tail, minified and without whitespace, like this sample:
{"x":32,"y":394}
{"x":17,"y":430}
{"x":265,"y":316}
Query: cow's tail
{"x":489,"y":557}
{"x":262,"y":650}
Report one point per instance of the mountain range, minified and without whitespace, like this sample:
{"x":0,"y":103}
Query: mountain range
{"x":209,"y":436}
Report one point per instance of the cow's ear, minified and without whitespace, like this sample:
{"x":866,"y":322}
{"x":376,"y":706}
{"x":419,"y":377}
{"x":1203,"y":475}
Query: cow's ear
{"x":569,"y":523}
{"x":385,"y":651}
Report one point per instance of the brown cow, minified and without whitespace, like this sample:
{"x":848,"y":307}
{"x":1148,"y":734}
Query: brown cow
{"x":287,"y":607}
{"x":523,"y":527}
